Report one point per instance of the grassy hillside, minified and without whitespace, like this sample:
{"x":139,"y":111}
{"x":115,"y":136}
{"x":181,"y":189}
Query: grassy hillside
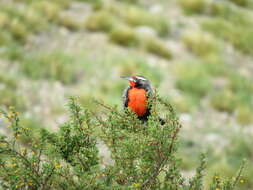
{"x":197,"y":53}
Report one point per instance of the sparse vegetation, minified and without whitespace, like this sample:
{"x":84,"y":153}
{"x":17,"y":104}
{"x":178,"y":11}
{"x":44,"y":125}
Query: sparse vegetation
{"x":124,"y":35}
{"x":224,"y":100}
{"x":51,"y":10}
{"x":51,"y":66}
{"x":243,"y":115}
{"x":7,"y":98}
{"x":156,"y":47}
{"x":189,"y":74}
{"x":100,"y":21}
{"x":201,"y":43}
{"x":69,"y":22}
{"x":243,"y":3}
{"x":137,"y":17}
{"x":226,"y":17}
{"x":193,"y":6}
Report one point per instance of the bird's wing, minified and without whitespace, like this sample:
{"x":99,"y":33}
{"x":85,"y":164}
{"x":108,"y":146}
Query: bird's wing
{"x":125,"y":97}
{"x":149,"y":94}
{"x":149,"y":90}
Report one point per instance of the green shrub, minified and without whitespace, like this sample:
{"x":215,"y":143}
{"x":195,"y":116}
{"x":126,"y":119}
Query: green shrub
{"x":240,"y":84}
{"x":241,"y":148}
{"x":201,"y":43}
{"x":13,"y":50}
{"x":63,"y":3}
{"x":140,"y":17}
{"x":182,"y":104}
{"x":132,"y":65}
{"x":34,"y":21}
{"x":235,"y":96}
{"x":53,"y":66}
{"x":243,"y":3}
{"x":4,"y":20}
{"x":129,"y":67}
{"x":144,"y":154}
{"x":244,"y":115}
{"x":34,"y":126}
{"x":231,"y":13}
{"x":193,"y":79}
{"x":21,"y":21}
{"x":91,"y":1}
{"x":137,"y":16}
{"x":230,"y":16}
{"x":224,"y":100}
{"x":5,"y":38}
{"x":215,"y":64}
{"x":129,"y":1}
{"x":193,"y":6}
{"x":8,"y":95}
{"x":157,"y":47}
{"x":18,"y":30}
{"x":100,"y":21}
{"x":49,"y":9}
{"x":124,"y":35}
{"x":8,"y":98}
{"x":242,"y":88}
{"x":69,"y":22}
{"x":7,"y":81}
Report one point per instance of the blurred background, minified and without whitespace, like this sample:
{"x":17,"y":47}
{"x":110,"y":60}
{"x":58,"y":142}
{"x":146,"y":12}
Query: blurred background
{"x":197,"y":53}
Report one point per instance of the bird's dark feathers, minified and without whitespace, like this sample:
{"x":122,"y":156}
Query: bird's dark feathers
{"x":125,"y":97}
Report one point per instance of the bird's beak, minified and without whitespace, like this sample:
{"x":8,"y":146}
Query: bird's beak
{"x":127,"y":78}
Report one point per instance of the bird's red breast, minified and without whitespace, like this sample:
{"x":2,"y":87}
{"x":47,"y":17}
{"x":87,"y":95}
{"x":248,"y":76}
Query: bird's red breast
{"x":137,"y":101}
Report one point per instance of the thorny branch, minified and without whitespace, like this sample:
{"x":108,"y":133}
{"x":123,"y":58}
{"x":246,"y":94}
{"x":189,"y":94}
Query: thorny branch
{"x":239,"y":174}
{"x":44,"y":185}
{"x":162,"y":163}
{"x":108,"y":108}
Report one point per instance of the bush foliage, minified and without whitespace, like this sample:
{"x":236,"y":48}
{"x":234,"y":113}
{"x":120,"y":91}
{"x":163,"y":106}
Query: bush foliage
{"x":144,"y":154}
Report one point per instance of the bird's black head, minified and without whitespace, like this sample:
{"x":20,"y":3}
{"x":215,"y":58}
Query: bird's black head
{"x":138,"y":81}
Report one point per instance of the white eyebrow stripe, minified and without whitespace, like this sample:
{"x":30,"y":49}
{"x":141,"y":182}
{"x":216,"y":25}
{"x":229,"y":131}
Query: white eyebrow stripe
{"x":141,"y":78}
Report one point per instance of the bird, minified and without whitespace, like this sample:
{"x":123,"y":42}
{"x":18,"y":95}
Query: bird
{"x":135,"y":96}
